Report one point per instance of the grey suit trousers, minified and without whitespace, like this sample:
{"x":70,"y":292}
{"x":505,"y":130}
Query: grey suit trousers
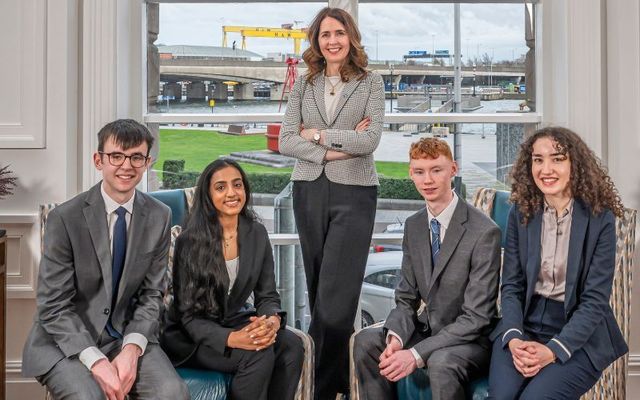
{"x":449,"y":369}
{"x":69,"y":379}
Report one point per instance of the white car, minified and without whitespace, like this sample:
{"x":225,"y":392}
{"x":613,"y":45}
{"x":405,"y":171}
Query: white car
{"x":381,"y":277}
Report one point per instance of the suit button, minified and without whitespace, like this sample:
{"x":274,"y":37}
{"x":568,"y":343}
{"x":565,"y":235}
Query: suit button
{"x":106,"y":311}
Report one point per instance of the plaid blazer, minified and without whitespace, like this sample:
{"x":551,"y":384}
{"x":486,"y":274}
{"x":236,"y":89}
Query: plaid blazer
{"x":359,"y":99}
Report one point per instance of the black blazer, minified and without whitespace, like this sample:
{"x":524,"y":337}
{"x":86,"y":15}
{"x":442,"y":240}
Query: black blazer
{"x":184,"y":331}
{"x":590,"y":325}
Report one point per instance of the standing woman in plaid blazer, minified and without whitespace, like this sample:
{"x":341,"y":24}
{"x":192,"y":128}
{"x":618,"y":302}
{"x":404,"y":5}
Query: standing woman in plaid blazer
{"x":332,"y":125}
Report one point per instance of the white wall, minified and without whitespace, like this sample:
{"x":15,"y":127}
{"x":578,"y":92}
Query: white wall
{"x":623,"y":105}
{"x":591,"y":83}
{"x":73,"y":66}
{"x":39,"y":48}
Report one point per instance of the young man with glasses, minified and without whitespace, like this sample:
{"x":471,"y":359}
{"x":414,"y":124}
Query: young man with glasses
{"x":100,"y":285}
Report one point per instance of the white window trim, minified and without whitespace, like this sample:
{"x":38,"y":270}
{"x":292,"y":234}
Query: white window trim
{"x":409,"y":118}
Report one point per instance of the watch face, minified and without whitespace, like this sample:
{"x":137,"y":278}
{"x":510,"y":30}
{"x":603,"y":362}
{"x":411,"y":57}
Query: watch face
{"x":316,"y":136}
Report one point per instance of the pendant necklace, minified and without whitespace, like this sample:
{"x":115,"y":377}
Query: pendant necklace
{"x":332,"y":92}
{"x":226,"y":241}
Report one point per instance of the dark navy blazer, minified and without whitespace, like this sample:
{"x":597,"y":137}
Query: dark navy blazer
{"x":590,"y":325}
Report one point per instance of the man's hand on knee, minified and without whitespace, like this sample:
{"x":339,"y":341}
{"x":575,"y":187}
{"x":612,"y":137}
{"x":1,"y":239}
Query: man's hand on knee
{"x":107,"y":377}
{"x":400,"y":364}
{"x":126,"y":365}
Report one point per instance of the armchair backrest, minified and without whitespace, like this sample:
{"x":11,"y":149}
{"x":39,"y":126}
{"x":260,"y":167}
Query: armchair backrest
{"x":179,"y":200}
{"x":496,"y":205}
{"x":612,"y":384}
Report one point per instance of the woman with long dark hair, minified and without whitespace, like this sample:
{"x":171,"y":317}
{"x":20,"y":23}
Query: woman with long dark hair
{"x":332,"y":125}
{"x":558,"y":332}
{"x":226,"y":312}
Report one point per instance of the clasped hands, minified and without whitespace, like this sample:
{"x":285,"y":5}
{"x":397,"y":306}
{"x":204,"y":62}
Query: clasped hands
{"x":116,"y":377}
{"x":396,"y":363}
{"x":530,"y":357}
{"x":258,"y":335}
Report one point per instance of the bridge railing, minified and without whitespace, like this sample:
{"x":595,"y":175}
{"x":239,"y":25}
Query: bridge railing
{"x":393,"y":118}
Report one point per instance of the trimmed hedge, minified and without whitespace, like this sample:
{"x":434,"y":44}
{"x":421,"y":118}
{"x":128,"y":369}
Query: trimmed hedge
{"x":176,"y":178}
{"x":395,"y":188}
{"x":268,"y":183}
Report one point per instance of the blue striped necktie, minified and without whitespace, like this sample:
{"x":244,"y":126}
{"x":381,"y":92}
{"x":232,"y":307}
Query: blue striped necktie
{"x":435,"y":240}
{"x":117,"y":265}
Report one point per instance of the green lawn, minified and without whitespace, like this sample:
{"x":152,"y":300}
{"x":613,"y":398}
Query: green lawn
{"x":199,"y":147}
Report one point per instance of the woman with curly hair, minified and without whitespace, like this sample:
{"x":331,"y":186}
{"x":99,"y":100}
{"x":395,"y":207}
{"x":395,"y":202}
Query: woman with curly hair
{"x":332,"y":125}
{"x":226,"y":312}
{"x":558,"y":332}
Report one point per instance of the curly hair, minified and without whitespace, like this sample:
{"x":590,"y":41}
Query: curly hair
{"x":357,"y":60}
{"x":429,"y":148}
{"x":588,"y":179}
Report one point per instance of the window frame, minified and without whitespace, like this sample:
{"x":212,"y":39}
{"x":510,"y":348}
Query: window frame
{"x":514,"y":118}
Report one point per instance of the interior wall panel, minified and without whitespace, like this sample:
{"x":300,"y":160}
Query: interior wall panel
{"x":22,"y":104}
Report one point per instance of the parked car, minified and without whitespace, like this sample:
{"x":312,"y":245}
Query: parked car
{"x":391,"y":228}
{"x":381,"y":277}
{"x":395,"y":228}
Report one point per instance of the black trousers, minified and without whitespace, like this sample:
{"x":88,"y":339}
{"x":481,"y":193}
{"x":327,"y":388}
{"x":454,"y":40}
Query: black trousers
{"x":272,"y":373}
{"x":335,"y":223}
{"x":556,"y":381}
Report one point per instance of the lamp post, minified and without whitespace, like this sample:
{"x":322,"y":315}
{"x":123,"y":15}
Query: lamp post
{"x":391,"y":104}
{"x":433,"y":43}
{"x":474,"y":80}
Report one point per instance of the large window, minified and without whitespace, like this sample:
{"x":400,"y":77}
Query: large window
{"x":210,"y":97}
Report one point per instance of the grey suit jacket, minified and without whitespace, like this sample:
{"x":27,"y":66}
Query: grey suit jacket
{"x":74,"y":284}
{"x":460,"y":291}
{"x":359,"y":99}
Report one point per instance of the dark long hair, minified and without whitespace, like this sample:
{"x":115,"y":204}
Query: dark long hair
{"x":199,"y":255}
{"x":357,"y":60}
{"x":589,"y":179}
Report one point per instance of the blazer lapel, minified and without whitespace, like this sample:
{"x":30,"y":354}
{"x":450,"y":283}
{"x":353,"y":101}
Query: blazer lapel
{"x":318,"y":94}
{"x":135,"y":236}
{"x":533,"y":257}
{"x":244,"y":266}
{"x":95,"y":215}
{"x":347,"y":91}
{"x":454,"y":233}
{"x":423,"y":244}
{"x":579,"y":224}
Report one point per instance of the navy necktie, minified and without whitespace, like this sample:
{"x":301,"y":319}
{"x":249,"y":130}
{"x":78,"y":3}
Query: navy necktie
{"x":435,"y":240}
{"x":117,"y":265}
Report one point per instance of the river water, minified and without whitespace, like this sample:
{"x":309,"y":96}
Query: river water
{"x":268,"y":106}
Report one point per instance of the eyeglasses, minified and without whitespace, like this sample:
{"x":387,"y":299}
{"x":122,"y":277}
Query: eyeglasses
{"x":117,"y":159}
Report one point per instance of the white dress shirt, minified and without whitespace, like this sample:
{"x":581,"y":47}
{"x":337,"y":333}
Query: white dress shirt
{"x":90,"y":355}
{"x":444,"y":218}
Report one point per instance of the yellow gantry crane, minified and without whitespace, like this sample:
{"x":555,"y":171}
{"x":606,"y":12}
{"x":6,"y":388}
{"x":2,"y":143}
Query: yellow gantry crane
{"x":258,"y":31}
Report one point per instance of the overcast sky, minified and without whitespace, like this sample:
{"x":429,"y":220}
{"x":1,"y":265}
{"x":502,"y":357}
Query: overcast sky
{"x":388,"y":30}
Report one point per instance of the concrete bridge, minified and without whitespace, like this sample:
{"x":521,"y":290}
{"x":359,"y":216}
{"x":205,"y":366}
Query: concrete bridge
{"x":206,"y":76}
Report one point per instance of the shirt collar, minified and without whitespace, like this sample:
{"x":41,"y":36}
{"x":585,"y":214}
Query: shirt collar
{"x":111,"y":205}
{"x":444,"y":218}
{"x":549,"y":209}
